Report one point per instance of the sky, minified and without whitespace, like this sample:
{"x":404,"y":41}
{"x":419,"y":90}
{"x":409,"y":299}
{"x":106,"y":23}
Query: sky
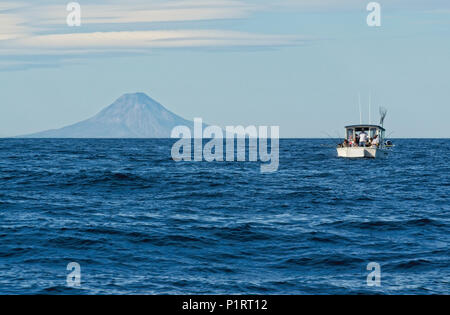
{"x":297,"y":64}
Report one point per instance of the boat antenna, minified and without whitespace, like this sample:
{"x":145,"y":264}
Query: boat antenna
{"x":383,"y":113}
{"x":360,"y":113}
{"x":370,"y":108}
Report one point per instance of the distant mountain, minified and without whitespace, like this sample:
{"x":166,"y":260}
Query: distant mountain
{"x":130,"y":116}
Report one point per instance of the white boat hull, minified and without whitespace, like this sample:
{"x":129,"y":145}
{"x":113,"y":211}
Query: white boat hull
{"x":361,"y":152}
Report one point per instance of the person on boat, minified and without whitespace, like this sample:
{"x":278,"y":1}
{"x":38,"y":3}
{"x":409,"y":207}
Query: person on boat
{"x":362,"y":138}
{"x":375,"y":142}
{"x":345,"y":144}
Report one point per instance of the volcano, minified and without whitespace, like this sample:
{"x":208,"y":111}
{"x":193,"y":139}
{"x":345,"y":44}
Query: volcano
{"x":133,"y":115}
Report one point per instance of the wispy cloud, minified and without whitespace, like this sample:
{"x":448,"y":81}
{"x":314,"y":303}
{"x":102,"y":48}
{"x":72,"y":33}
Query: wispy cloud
{"x":12,"y":27}
{"x":134,"y":25}
{"x":79,"y":42}
{"x":327,"y":5}
{"x":151,"y":11}
{"x":27,"y":29}
{"x":10,"y":5}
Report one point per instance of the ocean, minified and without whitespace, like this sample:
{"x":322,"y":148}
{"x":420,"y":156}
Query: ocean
{"x":136,"y":222}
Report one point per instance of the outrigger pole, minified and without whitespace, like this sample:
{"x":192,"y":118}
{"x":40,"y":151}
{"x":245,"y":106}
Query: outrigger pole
{"x":360,"y":112}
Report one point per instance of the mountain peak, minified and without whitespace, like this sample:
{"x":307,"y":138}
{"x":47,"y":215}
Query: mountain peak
{"x":135,"y":97}
{"x":133,"y":115}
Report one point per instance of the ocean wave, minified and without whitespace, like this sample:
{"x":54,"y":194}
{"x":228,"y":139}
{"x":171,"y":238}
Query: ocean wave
{"x":137,"y":222}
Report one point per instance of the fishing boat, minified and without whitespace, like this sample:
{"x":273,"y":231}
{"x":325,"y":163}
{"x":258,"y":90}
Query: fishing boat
{"x":351,"y":148}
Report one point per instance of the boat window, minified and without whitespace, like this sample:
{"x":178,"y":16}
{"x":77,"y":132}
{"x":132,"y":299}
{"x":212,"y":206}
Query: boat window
{"x":349,"y":133}
{"x":373,"y":132}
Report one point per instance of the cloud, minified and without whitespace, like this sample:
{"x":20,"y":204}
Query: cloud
{"x":149,"y":12}
{"x":10,"y":5}
{"x":136,"y":40}
{"x":27,"y":30}
{"x":349,"y":5}
{"x":11,"y":27}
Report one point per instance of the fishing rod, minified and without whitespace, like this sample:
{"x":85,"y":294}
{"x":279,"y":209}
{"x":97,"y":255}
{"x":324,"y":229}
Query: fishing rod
{"x":339,"y":135}
{"x":329,"y":136}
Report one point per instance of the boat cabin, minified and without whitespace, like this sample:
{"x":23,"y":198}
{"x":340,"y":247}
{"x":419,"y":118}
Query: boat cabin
{"x":371,"y":130}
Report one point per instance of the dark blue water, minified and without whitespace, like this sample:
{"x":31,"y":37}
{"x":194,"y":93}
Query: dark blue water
{"x":137,"y":222}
